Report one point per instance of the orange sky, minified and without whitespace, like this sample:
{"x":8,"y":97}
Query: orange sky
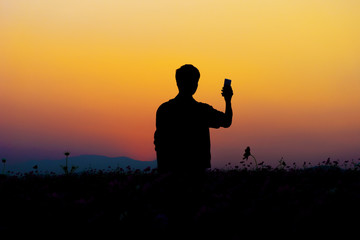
{"x":88,"y":75}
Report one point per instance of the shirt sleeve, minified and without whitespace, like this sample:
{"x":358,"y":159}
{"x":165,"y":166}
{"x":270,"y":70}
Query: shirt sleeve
{"x":215,"y":117}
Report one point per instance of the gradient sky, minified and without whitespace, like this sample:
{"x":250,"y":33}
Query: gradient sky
{"x":87,"y":76}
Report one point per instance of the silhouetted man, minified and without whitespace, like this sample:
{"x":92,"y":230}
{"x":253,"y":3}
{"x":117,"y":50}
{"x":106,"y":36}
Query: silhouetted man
{"x":182,"y":137}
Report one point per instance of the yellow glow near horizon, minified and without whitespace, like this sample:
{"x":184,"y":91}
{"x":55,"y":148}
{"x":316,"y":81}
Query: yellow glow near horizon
{"x":99,"y":69}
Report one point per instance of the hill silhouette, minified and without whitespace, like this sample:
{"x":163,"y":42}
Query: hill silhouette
{"x":83,"y":162}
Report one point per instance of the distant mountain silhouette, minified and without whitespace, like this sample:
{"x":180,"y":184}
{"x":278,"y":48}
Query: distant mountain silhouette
{"x":83,"y":162}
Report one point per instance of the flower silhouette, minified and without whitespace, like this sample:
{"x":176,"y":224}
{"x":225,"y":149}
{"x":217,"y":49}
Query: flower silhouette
{"x":65,"y":168}
{"x":3,"y":162}
{"x":248,"y":154}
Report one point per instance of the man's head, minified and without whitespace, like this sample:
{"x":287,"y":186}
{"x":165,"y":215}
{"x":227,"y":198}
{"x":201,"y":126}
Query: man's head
{"x":187,"y":78}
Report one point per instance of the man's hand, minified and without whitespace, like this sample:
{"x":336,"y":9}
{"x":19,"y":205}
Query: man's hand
{"x":227,"y":93}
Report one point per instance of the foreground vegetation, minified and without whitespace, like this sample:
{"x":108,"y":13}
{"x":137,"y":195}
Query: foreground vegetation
{"x":225,"y":204}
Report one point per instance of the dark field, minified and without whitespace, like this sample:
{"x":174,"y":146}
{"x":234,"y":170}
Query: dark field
{"x":228,"y":204}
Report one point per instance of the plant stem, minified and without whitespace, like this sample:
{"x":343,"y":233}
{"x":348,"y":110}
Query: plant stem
{"x":255,"y":161}
{"x":66,"y":165}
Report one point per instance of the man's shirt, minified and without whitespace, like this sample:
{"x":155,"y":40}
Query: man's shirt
{"x":182,"y":137}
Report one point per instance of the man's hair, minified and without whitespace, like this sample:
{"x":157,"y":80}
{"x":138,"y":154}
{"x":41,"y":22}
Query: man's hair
{"x":187,"y":72}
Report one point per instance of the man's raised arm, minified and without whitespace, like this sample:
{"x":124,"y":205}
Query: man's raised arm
{"x":227,"y":93}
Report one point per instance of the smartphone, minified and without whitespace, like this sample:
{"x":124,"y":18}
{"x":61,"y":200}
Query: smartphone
{"x":227,"y":82}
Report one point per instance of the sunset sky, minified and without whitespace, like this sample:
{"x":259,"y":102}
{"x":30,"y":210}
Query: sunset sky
{"x":87,"y":76}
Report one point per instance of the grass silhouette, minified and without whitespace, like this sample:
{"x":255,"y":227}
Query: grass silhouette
{"x":222,"y":203}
